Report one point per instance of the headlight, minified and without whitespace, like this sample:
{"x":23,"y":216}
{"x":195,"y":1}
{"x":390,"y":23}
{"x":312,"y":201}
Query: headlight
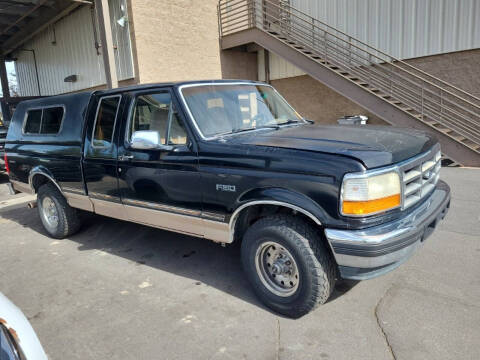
{"x":367,"y":195}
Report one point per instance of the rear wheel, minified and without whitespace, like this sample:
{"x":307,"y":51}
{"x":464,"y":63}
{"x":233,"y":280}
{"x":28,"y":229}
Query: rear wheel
{"x":288,"y":265}
{"x":58,"y":218}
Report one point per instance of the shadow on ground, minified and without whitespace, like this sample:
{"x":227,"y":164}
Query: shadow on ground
{"x":3,"y":177}
{"x":200,"y":260}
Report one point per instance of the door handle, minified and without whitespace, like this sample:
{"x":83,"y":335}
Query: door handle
{"x":125,"y":157}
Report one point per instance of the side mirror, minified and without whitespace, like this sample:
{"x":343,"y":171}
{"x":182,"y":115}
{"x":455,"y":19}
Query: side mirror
{"x":148,"y":140}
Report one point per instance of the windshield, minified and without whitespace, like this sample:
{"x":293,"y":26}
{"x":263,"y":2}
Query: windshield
{"x":225,"y":109}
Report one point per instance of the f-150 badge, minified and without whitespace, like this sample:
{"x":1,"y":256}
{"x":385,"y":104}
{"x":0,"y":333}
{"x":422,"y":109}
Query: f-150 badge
{"x":222,"y":187}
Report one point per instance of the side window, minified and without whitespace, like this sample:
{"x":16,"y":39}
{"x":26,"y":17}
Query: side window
{"x":105,"y":121}
{"x":33,"y":122}
{"x":46,"y":121}
{"x":155,"y":112}
{"x":52,"y":120}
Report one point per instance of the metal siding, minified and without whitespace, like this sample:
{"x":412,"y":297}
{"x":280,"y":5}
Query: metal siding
{"x":73,"y":54}
{"x":402,"y":28}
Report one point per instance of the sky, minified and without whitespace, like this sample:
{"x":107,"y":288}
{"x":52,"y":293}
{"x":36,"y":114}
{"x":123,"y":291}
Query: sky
{"x":10,"y":69}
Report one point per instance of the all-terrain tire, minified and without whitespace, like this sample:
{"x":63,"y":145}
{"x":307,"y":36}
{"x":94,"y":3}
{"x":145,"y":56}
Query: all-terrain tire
{"x":314,"y":263}
{"x":68,"y":218}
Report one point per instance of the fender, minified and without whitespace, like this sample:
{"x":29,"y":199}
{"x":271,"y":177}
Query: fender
{"x":281,"y":197}
{"x":41,"y":170}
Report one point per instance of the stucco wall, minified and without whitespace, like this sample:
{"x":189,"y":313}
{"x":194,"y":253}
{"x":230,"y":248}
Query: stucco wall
{"x":239,"y":65}
{"x":461,"y":68}
{"x":178,"y":40}
{"x":316,"y":101}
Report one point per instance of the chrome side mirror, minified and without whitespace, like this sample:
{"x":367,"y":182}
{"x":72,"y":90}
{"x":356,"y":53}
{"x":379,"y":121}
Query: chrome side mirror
{"x":148,"y":140}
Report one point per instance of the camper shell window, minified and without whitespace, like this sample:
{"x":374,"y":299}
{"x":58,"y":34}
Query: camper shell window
{"x":44,"y":121}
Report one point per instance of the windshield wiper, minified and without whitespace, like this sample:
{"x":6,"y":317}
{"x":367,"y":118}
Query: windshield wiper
{"x":289,"y":121}
{"x":271,"y":126}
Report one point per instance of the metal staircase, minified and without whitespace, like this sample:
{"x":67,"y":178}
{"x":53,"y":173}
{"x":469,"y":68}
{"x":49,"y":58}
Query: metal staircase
{"x":397,"y":92}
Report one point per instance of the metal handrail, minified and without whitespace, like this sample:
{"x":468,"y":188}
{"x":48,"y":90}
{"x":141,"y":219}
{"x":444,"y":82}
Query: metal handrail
{"x":339,"y":48}
{"x":392,"y":58}
{"x":299,"y":34}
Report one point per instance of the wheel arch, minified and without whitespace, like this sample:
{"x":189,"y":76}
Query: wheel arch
{"x":276,"y":197}
{"x":40,"y":175}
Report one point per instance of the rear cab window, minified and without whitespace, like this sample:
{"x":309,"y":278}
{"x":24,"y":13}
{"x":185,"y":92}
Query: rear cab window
{"x":44,"y":121}
{"x":105,"y":121}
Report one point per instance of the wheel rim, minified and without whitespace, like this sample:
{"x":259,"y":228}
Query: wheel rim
{"x":50,"y":212}
{"x":277,"y":269}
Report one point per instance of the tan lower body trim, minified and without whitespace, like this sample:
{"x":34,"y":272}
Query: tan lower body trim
{"x":78,"y":201}
{"x":217,"y":231}
{"x":109,"y":208}
{"x":180,"y":223}
{"x":22,"y":187}
{"x":190,"y":225}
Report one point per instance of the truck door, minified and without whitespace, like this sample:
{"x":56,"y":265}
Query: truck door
{"x":159,"y":185}
{"x":100,"y":156}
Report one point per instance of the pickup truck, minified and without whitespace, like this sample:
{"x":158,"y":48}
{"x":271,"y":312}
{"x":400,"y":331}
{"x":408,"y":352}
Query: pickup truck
{"x":232,"y":161}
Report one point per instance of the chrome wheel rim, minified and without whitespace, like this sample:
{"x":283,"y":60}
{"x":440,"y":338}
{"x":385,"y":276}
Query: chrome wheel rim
{"x":277,"y":269}
{"x":50,"y":212}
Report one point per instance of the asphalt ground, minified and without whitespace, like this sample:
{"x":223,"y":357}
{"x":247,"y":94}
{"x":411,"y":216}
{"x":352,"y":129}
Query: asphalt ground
{"x":118,"y":290}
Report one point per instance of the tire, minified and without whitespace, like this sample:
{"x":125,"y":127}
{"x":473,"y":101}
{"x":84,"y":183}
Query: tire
{"x":50,"y":201}
{"x":292,"y":288}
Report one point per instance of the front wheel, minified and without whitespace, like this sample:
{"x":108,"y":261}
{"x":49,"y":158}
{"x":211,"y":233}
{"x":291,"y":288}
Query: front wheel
{"x":289,"y":267}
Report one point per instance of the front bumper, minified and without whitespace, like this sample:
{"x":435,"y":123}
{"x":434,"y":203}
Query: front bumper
{"x":364,"y":254}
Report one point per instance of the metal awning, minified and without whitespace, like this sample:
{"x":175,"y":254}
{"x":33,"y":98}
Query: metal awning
{"x":20,"y":20}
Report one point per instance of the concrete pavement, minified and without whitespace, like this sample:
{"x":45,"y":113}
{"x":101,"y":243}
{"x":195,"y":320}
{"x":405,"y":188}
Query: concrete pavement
{"x":118,"y":290}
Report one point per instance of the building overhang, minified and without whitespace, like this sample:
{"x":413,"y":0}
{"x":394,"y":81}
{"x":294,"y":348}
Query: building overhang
{"x":21,"y":20}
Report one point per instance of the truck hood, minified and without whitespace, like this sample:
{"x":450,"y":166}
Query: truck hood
{"x":374,"y":146}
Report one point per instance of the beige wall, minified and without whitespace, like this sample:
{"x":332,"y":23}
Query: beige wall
{"x":316,"y":101}
{"x":461,"y":69}
{"x":178,"y":40}
{"x":238,"y":64}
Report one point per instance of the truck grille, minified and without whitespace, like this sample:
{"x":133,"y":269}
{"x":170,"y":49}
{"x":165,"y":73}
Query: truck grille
{"x":419,"y":176}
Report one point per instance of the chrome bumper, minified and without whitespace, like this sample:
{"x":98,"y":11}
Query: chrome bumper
{"x":371,"y":252}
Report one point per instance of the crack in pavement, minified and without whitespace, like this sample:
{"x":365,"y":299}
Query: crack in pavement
{"x":278,"y":339}
{"x":385,"y":337}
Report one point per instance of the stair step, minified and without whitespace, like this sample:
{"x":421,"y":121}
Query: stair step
{"x":344,"y":73}
{"x":362,"y":83}
{"x":440,"y":127}
{"x":458,"y":137}
{"x":378,"y":90}
{"x":386,"y":96}
{"x":430,"y":121}
{"x":446,"y":130}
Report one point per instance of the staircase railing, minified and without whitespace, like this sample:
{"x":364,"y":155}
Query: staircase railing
{"x":426,"y":97}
